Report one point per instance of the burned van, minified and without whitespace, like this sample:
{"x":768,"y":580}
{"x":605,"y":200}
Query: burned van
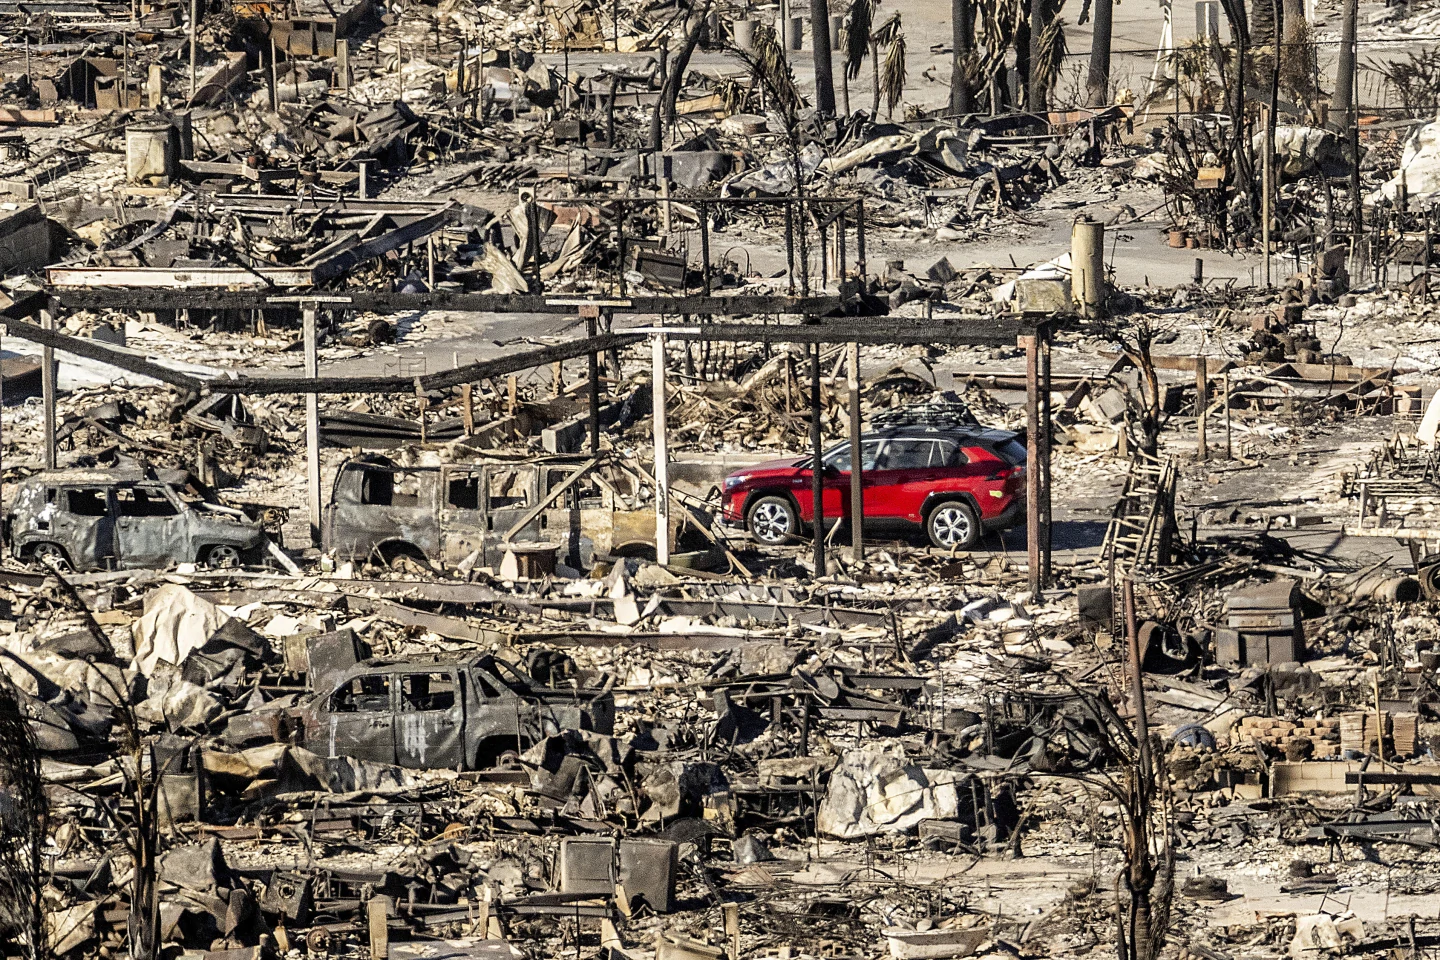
{"x":382,"y":511}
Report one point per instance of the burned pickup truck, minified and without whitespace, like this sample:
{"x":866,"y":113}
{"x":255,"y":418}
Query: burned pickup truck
{"x":382,"y":511}
{"x":443,"y":711}
{"x":136,"y":517}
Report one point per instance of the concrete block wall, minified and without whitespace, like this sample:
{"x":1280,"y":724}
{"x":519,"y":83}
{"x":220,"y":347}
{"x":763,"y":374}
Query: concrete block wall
{"x":1311,"y":776}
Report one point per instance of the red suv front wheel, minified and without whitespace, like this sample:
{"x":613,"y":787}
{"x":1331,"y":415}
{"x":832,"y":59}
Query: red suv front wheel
{"x":953,"y":524}
{"x":772,"y":520}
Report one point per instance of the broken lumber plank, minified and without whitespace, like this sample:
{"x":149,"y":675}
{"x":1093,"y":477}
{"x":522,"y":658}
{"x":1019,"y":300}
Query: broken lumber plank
{"x":216,"y":83}
{"x":17,"y":117}
{"x":452,"y":628}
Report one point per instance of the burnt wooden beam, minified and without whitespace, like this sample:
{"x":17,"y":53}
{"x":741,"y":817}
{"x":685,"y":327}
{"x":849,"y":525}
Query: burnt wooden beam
{"x":94,"y":350}
{"x":435,"y":381}
{"x":99,"y":297}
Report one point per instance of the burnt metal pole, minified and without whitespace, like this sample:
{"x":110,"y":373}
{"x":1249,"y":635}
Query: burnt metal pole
{"x":592,"y":368}
{"x":47,"y":391}
{"x":704,"y":211}
{"x":662,"y":452}
{"x":194,"y":29}
{"x":857,"y":480}
{"x":1046,"y":516}
{"x":312,"y":424}
{"x":1034,"y":453}
{"x":1202,"y":400}
{"x":817,"y":472}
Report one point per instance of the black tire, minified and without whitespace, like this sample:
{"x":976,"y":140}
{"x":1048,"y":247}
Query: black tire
{"x":221,"y":556}
{"x":953,"y":524}
{"x":772,"y":520}
{"x":49,"y":556}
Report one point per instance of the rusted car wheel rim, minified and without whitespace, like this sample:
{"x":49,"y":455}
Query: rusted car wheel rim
{"x":223,"y":557}
{"x":50,"y":556}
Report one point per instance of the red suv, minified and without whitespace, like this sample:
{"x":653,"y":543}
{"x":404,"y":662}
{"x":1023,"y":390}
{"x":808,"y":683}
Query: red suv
{"x":958,"y":482}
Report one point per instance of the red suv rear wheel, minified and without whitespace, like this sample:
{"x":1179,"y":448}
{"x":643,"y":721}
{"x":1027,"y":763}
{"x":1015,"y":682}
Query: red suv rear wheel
{"x":953,"y":524}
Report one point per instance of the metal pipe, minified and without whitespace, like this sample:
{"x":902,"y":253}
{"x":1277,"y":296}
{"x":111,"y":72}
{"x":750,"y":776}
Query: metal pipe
{"x":1046,"y":514}
{"x":47,"y":392}
{"x":860,"y":266}
{"x":790,"y":247}
{"x":1202,"y":399}
{"x":312,"y":425}
{"x":857,"y":480}
{"x":1032,"y":471}
{"x":194,"y":28}
{"x":704,"y":209}
{"x":592,"y":368}
{"x":662,"y":453}
{"x":817,"y":472}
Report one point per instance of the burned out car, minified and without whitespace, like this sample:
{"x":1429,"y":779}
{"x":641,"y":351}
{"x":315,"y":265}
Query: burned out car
{"x":92,"y":519}
{"x":443,"y":710}
{"x":380,"y":510}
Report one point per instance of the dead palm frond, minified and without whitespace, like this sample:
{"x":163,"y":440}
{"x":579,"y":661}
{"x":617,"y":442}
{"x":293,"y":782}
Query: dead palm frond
{"x":892,"y":75}
{"x":1052,"y":54}
{"x":771,"y":70}
{"x":1191,"y":69}
{"x":887,"y":31}
{"x":855,"y":35}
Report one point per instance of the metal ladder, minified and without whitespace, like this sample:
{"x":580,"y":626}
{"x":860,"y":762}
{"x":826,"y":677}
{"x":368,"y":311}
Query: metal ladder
{"x":1132,"y":538}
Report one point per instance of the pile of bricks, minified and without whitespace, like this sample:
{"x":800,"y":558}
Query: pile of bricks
{"x":1358,"y":729}
{"x":1323,"y":734}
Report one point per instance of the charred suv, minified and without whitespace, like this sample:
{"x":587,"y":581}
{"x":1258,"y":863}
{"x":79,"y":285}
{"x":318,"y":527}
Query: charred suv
{"x":381,"y":510}
{"x":98,"y":519}
{"x":456,"y":712}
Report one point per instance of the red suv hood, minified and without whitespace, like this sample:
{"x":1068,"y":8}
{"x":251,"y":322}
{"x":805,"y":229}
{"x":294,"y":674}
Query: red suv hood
{"x":787,"y":463}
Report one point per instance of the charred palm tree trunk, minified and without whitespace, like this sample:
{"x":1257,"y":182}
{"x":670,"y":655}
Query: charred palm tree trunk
{"x":1344,"y":98}
{"x":1039,"y":18}
{"x":875,"y":77}
{"x":1098,"y":81}
{"x":961,"y":31}
{"x":820,"y":42}
{"x":675,"y":76}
